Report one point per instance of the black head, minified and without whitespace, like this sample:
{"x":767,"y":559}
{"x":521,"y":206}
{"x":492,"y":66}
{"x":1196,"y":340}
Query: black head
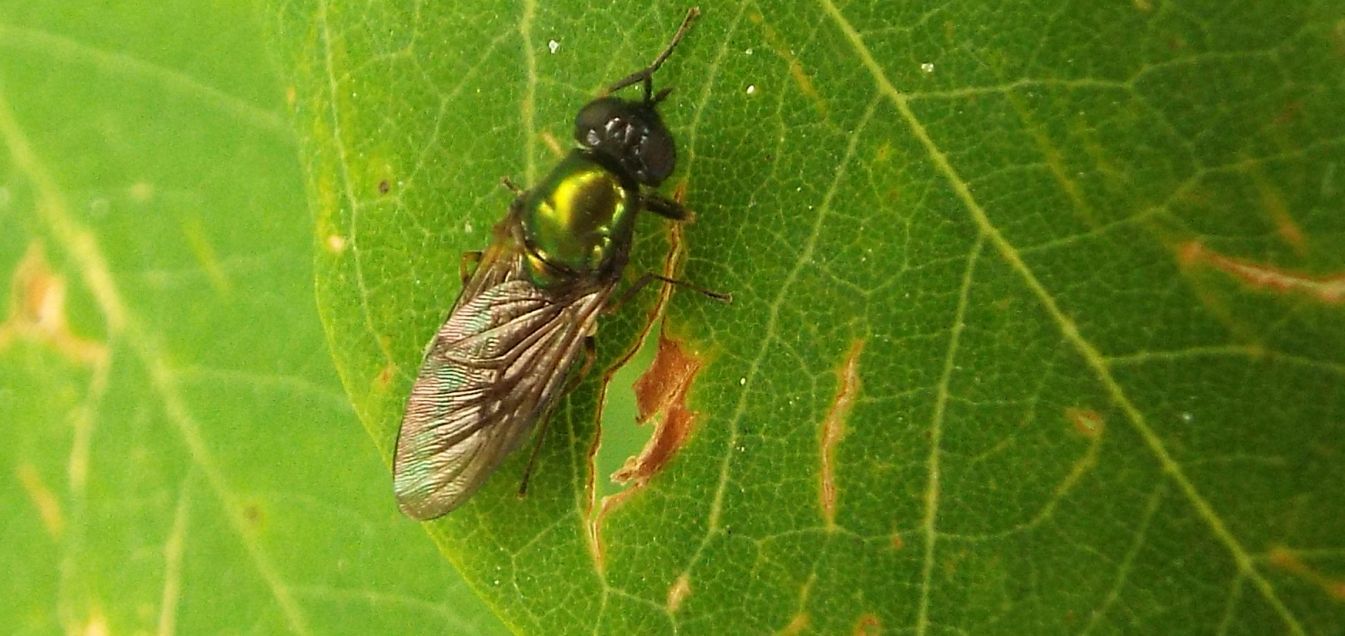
{"x":630,"y":134}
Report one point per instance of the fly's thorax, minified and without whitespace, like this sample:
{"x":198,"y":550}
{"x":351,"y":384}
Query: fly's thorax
{"x":577,"y":221}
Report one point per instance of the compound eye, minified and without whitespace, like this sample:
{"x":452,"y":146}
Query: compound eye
{"x":631,"y":134}
{"x":591,"y":125}
{"x":657,"y":157}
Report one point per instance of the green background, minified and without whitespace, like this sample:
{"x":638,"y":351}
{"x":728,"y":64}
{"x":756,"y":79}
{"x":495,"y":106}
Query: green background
{"x":1047,"y":296}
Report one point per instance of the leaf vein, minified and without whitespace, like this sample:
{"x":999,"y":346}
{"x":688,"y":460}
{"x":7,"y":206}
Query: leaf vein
{"x":770,"y":330}
{"x":929,"y":522}
{"x":349,"y":194}
{"x":87,"y":257}
{"x":1092,"y":357}
{"x":16,"y":37}
{"x":1128,"y":560}
{"x":527,"y":108}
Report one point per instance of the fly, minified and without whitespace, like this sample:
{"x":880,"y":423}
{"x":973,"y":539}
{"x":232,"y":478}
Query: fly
{"x":529,"y":308}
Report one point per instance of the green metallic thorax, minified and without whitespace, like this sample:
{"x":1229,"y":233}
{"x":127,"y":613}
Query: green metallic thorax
{"x":577,"y":221}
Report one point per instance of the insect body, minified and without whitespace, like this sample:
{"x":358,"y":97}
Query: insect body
{"x":524,"y":315}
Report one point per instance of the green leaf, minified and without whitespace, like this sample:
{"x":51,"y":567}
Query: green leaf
{"x":1035,"y":322}
{"x":176,"y":452}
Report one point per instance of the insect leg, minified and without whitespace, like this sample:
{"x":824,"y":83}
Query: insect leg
{"x":532,"y":457}
{"x":468,"y":263}
{"x":650,"y":277}
{"x":590,"y":354}
{"x":513,"y":187}
{"x":664,"y":207}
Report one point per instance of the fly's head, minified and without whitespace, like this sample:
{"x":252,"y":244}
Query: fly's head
{"x":629,"y":134}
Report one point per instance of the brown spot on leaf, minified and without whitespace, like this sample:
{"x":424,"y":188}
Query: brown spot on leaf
{"x":680,"y":590}
{"x":37,"y":311}
{"x":384,"y":377}
{"x":1189,"y":253}
{"x":662,"y":389}
{"x":595,"y":511}
{"x":1291,"y":110}
{"x":1326,"y":289}
{"x":796,"y":625}
{"x":679,"y":193}
{"x":384,"y":186}
{"x":253,"y":514}
{"x":1289,"y":561}
{"x":833,"y":428}
{"x":782,"y":48}
{"x":48,"y":508}
{"x":594,"y":537}
{"x":897,"y":542}
{"x":868,"y":625}
{"x":1086,"y":421}
{"x":1272,"y":200}
{"x":1292,"y":234}
{"x":552,"y":144}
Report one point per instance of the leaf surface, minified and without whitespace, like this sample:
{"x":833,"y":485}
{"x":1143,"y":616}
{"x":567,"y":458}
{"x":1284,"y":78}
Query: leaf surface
{"x":176,"y":452}
{"x":1035,"y":321}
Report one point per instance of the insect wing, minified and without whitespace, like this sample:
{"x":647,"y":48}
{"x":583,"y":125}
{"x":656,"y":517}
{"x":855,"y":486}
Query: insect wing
{"x":491,"y":371}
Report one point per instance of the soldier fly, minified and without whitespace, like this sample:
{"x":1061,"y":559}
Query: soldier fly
{"x":503,"y":355}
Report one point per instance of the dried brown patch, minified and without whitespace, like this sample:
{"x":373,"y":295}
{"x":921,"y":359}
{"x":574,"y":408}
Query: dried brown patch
{"x":1291,"y":110}
{"x":552,"y":144}
{"x":678,"y":592}
{"x":833,"y":428}
{"x":897,"y":542}
{"x":384,"y":377}
{"x":1326,"y":289}
{"x":1272,"y":199}
{"x":37,"y":311}
{"x":1087,"y":422}
{"x":1287,"y":560}
{"x":679,"y":193}
{"x":253,"y":514}
{"x":781,"y":47}
{"x":595,"y":547}
{"x":46,"y":503}
{"x":595,"y":511}
{"x":883,"y":153}
{"x":797,"y":625}
{"x":868,"y":625}
{"x":383,"y":186}
{"x":662,"y":389}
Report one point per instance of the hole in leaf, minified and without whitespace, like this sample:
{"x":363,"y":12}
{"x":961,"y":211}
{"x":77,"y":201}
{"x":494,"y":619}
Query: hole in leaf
{"x":621,"y":437}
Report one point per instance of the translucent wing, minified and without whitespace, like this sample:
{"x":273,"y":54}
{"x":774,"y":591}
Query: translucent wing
{"x":491,"y":371}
